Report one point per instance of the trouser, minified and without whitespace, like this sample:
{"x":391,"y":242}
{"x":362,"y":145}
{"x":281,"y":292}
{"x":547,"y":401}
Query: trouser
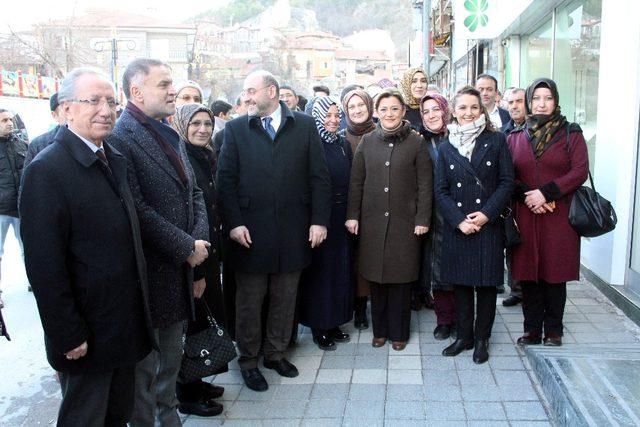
{"x":445,"y":307}
{"x":251,"y":290}
{"x":156,"y":377}
{"x":485,"y":311}
{"x":543,"y":304}
{"x":97,"y":399}
{"x":5,"y":222}
{"x":514,"y":285}
{"x":391,"y":310}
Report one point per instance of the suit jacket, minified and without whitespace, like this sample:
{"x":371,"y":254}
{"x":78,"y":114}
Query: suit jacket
{"x":39,"y":143}
{"x":505,"y":117}
{"x":172,"y":217}
{"x":276,"y":188}
{"x":83,"y":256}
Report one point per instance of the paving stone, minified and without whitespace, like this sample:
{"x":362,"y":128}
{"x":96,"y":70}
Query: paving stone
{"x":248,"y":394}
{"x":365,"y":422}
{"x":333,"y":376}
{"x":330,"y":391}
{"x":363,"y":409}
{"x":444,"y":411}
{"x":518,"y":393}
{"x":286,"y":409}
{"x":344,"y":349}
{"x":337,"y":362}
{"x":319,"y":422}
{"x":306,"y":362}
{"x":247,"y":410}
{"x":369,"y":350}
{"x":464,"y":362}
{"x":369,"y":376}
{"x":506,"y":363}
{"x":511,"y":377}
{"x":480,"y":378}
{"x":404,"y":376}
{"x":401,"y":410}
{"x":529,"y":411}
{"x":440,"y":378}
{"x":231,"y":392}
{"x":305,"y":376}
{"x":367,"y":392}
{"x":484,"y":411}
{"x":438,"y":363}
{"x":325,"y":408}
{"x":405,"y":392}
{"x":433,"y":349}
{"x":286,"y":391}
{"x":443,"y":393}
{"x":371,"y":362}
{"x":482,"y":393}
{"x":404,"y":362}
{"x":487,"y":423}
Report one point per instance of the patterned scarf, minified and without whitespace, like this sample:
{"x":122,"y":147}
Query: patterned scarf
{"x":542,"y":127}
{"x":464,"y":137}
{"x":367,"y":126}
{"x":319,"y":113}
{"x":406,"y":87}
{"x":444,"y":109}
{"x":181,"y":121}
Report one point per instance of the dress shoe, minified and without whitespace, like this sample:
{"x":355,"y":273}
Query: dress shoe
{"x":553,"y":340}
{"x":428,"y":301}
{"x":254,"y":380}
{"x":511,"y":300}
{"x":398,"y":345}
{"x":202,"y":408}
{"x":457,"y":347}
{"x":378,"y":342}
{"x":481,"y":351}
{"x":211,"y":391}
{"x":324,"y":342}
{"x":283,"y":367}
{"x":500,"y":289}
{"x":338,"y":336}
{"x":442,"y":332}
{"x":529,"y":339}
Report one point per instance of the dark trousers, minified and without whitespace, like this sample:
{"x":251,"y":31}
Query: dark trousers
{"x":250,"y":294}
{"x":514,"y":285}
{"x":391,"y":310}
{"x":97,"y":399}
{"x":485,"y":311}
{"x":543,"y":304}
{"x":445,"y":307}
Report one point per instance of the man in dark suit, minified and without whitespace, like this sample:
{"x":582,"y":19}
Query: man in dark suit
{"x":274,"y":191}
{"x":174,"y":228}
{"x":487,"y":85}
{"x":84,"y":258}
{"x":40,"y":142}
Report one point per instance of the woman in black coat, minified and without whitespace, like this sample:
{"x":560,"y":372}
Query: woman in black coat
{"x":194,"y":123}
{"x":327,"y":285}
{"x":474,"y":182}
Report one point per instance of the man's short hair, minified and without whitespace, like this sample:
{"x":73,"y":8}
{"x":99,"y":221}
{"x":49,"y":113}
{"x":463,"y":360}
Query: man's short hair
{"x":516,"y":90}
{"x":268,"y":79}
{"x":321,"y":88}
{"x":68,"y":86}
{"x":2,"y":110}
{"x":219,"y":106}
{"x":287,"y":87}
{"x":137,"y":67}
{"x":488,"y":76}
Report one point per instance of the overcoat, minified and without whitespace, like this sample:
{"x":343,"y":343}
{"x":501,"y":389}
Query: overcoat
{"x":84,"y":256}
{"x":550,"y":248}
{"x":462,"y":187}
{"x":390,"y":193}
{"x":276,"y":188}
{"x":172,"y":217}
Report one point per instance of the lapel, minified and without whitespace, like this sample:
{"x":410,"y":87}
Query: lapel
{"x":483,"y":146}
{"x":287,"y":116}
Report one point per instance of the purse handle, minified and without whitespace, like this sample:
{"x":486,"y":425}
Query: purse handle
{"x":566,"y":144}
{"x":212,"y":320}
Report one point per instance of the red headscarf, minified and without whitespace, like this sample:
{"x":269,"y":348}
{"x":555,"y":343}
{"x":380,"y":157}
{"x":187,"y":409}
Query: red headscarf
{"x":444,"y":109}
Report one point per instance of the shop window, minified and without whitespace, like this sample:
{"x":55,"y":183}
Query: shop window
{"x":535,"y":60}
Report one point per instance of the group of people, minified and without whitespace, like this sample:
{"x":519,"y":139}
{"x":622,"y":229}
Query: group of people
{"x":135,"y":228}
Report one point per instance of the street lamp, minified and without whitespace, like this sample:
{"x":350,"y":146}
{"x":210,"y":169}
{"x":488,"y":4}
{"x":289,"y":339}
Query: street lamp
{"x":113,"y":43}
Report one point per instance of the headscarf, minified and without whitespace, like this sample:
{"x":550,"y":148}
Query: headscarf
{"x":183,"y":117}
{"x":366,"y":126}
{"x":385,"y":83}
{"x":189,"y":83}
{"x":319,"y":113}
{"x":444,"y":109}
{"x":406,"y":87}
{"x":542,"y":127}
{"x":463,"y":137}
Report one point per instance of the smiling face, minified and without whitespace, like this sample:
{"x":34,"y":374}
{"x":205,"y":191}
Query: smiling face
{"x":357,"y":110}
{"x":418,"y":85}
{"x":390,"y":112}
{"x":332,"y":120}
{"x":542,"y":101}
{"x":467,"y":109}
{"x":154,"y":93}
{"x":261,"y":98}
{"x":200,"y":129}
{"x":432,"y":115}
{"x":487,"y":89}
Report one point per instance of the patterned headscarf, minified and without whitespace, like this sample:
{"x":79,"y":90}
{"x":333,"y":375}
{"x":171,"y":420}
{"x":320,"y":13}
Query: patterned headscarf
{"x":406,"y":87}
{"x":542,"y":127}
{"x":183,"y":117}
{"x":444,"y":109}
{"x":366,"y":126}
{"x":319,"y":113}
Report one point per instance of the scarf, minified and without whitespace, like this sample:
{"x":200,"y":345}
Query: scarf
{"x":542,"y":127}
{"x":367,"y":126}
{"x":181,"y":121}
{"x":444,"y":109}
{"x":464,"y":137}
{"x":406,"y":87}
{"x":319,"y":113}
{"x":394,"y":135}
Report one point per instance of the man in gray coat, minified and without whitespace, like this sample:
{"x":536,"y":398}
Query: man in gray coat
{"x":174,"y":227}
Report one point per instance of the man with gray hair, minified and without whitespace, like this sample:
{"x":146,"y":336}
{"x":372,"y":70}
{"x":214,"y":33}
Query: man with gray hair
{"x":174,"y":228}
{"x":83,"y":256}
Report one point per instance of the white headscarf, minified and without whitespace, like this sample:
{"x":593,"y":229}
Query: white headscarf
{"x":464,"y":137}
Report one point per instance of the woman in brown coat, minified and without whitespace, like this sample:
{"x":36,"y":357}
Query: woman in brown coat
{"x":390,"y":197}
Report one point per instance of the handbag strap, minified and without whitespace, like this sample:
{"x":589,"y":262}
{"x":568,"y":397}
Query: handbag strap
{"x":566,"y":145}
{"x":212,"y":320}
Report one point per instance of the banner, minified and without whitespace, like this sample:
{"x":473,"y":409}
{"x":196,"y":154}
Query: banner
{"x":10,"y":83}
{"x":485,"y":19}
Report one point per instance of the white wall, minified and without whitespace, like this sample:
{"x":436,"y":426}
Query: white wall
{"x":617,"y":133}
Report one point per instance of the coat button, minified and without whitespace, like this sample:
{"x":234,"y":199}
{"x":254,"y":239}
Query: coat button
{"x":387,"y":163}
{"x":451,"y":166}
{"x":486,"y":145}
{"x":478,"y":201}
{"x":386,"y":214}
{"x":488,"y":163}
{"x":459,"y":204}
{"x":459,"y":185}
{"x":210,"y":184}
{"x":386,"y":189}
{"x":391,"y":144}
{"x":213,"y":251}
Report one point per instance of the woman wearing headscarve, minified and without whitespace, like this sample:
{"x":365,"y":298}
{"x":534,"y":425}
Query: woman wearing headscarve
{"x":194,"y":123}
{"x":551,"y":161}
{"x":327,"y":285}
{"x":358,"y":106}
{"x":414,"y":87}
{"x":435,"y":117}
{"x":390,"y":198}
{"x":474,"y":182}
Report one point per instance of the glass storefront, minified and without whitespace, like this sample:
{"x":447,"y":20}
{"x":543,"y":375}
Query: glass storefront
{"x":535,"y":54}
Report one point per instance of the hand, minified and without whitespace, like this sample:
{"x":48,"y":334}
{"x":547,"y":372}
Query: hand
{"x":241,"y":235}
{"x":478,"y":218}
{"x":77,"y":352}
{"x":317,"y":234}
{"x":468,"y":227}
{"x":352,"y":226}
{"x":198,"y":288}
{"x":534,"y":199}
{"x":199,"y":253}
{"x":420,"y":230}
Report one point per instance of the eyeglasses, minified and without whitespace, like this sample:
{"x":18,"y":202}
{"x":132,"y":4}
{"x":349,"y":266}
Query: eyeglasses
{"x":96,"y":102}
{"x":252,"y":91}
{"x":188,"y":98}
{"x":197,"y":123}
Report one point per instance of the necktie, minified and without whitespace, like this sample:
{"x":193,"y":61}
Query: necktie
{"x":267,"y":126}
{"x":102,"y":157}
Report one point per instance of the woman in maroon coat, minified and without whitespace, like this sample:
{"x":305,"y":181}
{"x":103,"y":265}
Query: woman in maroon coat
{"x":551,"y":161}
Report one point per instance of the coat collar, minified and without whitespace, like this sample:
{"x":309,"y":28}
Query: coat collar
{"x":76,"y":147}
{"x":287,"y":115}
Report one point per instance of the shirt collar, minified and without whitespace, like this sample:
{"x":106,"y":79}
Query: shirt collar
{"x":94,"y":148}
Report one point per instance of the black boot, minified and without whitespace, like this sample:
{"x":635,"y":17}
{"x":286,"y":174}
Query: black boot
{"x":360,"y":313}
{"x":481,"y":352}
{"x":457,"y":347}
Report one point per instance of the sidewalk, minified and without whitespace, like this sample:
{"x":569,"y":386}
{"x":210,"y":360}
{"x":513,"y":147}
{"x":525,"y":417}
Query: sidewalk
{"x":354,"y":385}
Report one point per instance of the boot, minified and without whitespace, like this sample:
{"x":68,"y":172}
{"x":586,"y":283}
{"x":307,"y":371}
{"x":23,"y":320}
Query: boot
{"x":360,"y":313}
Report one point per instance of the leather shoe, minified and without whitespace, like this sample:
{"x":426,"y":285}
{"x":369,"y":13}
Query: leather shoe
{"x":338,"y":336}
{"x":500,"y":289}
{"x":457,"y":347}
{"x":254,"y":380}
{"x":211,"y":391}
{"x":398,"y":345}
{"x":428,"y":301}
{"x":201,"y":408}
{"x":481,"y":351}
{"x":442,"y":332}
{"x":511,"y":301}
{"x":553,"y":340}
{"x":324,"y":342}
{"x":282,"y":367}
{"x":360,"y":321}
{"x":529,"y":339}
{"x":378,"y":342}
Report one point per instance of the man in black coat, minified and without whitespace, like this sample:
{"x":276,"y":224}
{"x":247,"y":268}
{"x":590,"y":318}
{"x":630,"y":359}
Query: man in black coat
{"x":40,"y":142}
{"x":487,"y":85}
{"x":274,"y":190}
{"x":174,"y":226}
{"x":84,"y":258}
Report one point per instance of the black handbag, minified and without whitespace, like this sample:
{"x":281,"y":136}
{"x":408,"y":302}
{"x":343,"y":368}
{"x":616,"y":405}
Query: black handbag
{"x":510,"y":228}
{"x":590,"y":214}
{"x":206,"y":352}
